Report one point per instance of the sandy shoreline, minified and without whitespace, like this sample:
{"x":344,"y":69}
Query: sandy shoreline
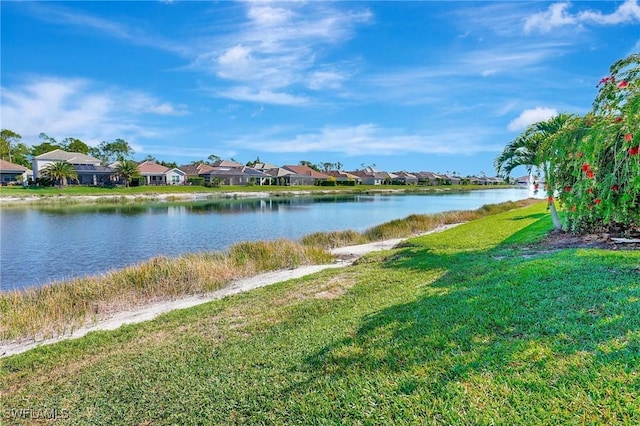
{"x":346,"y":255}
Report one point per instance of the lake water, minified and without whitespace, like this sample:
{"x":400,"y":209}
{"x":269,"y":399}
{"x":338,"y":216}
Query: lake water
{"x":41,"y":244}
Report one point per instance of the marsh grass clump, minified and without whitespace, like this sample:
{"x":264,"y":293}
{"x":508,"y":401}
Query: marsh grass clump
{"x":273,"y":255}
{"x":59,"y":308}
{"x":329,"y":240}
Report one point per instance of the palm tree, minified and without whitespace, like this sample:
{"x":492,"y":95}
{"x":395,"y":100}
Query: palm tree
{"x":536,"y":147}
{"x":60,"y":171}
{"x":128,"y":170}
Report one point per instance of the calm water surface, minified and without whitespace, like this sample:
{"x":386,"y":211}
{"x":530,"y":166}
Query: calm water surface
{"x":41,"y":244}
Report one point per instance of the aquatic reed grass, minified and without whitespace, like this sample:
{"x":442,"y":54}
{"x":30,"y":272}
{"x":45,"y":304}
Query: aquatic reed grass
{"x":59,"y":308}
{"x":329,"y":240}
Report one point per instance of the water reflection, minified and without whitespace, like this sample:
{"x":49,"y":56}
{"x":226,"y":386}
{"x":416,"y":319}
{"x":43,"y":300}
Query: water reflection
{"x":221,"y":206}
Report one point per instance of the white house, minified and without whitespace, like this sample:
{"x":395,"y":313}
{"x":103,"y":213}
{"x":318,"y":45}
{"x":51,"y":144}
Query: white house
{"x":89,"y":169}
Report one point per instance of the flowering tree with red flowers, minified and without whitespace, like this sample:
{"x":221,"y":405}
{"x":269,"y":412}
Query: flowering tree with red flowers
{"x":597,"y":159}
{"x":591,"y":164}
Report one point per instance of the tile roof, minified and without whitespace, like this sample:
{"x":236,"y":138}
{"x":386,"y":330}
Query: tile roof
{"x":227,"y":163}
{"x":342,"y":175}
{"x":235,"y":171}
{"x":69,"y":157}
{"x":279,"y":172}
{"x":264,"y":166}
{"x":307,"y":171}
{"x":6,"y":166}
{"x":196,"y":169}
{"x":149,"y":167}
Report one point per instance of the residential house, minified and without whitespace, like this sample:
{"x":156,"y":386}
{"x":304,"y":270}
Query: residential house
{"x":157,"y":174}
{"x":495,"y":180}
{"x":371,"y":176}
{"x":242,"y":175}
{"x":344,"y":178}
{"x":312,"y":176}
{"x":428,"y":178}
{"x":195,"y":170}
{"x":404,"y":178}
{"x":451,"y":179}
{"x":10,"y":172}
{"x":284,"y":177}
{"x":88,"y":169}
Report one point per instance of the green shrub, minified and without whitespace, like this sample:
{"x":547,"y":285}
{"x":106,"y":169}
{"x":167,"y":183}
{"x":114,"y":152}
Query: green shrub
{"x":196,"y":180}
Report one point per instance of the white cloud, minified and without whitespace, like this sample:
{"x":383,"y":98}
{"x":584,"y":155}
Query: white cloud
{"x":320,"y":80}
{"x":555,"y":16}
{"x":531,"y":116}
{"x":268,"y":15}
{"x":250,"y":94}
{"x":369,"y":138}
{"x":279,"y":49}
{"x":79,"y":108}
{"x":49,"y":12}
{"x":510,"y":56}
{"x":629,"y":11}
{"x":558,"y":15}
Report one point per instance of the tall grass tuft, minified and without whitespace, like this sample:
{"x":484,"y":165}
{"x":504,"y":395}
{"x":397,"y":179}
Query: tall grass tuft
{"x":329,"y":240}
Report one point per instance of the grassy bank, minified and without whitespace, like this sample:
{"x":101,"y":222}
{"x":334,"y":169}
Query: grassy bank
{"x":477,"y":325}
{"x":59,"y":308}
{"x":121,"y":194}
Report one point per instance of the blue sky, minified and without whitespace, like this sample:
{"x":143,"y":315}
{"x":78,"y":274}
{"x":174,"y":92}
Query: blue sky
{"x":437,"y":86}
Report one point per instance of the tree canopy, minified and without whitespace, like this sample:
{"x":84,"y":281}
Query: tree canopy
{"x":116,"y":150}
{"x":12,"y":149}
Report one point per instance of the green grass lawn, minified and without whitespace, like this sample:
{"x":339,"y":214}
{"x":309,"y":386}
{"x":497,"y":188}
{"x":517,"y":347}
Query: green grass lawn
{"x":477,"y":325}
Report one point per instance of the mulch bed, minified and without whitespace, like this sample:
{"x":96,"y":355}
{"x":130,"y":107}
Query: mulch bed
{"x":559,"y":240}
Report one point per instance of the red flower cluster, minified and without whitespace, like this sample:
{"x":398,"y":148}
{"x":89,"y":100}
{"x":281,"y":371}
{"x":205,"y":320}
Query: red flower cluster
{"x":587,"y":169}
{"x":623,"y":84}
{"x":615,"y":187}
{"x":606,"y":80}
{"x":628,"y":137}
{"x":635,"y":150}
{"x":550,"y":200}
{"x":567,"y":189}
{"x":597,"y":201}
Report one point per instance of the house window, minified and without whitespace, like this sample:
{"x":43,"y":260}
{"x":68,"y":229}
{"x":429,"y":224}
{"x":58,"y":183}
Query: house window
{"x":175,"y":179}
